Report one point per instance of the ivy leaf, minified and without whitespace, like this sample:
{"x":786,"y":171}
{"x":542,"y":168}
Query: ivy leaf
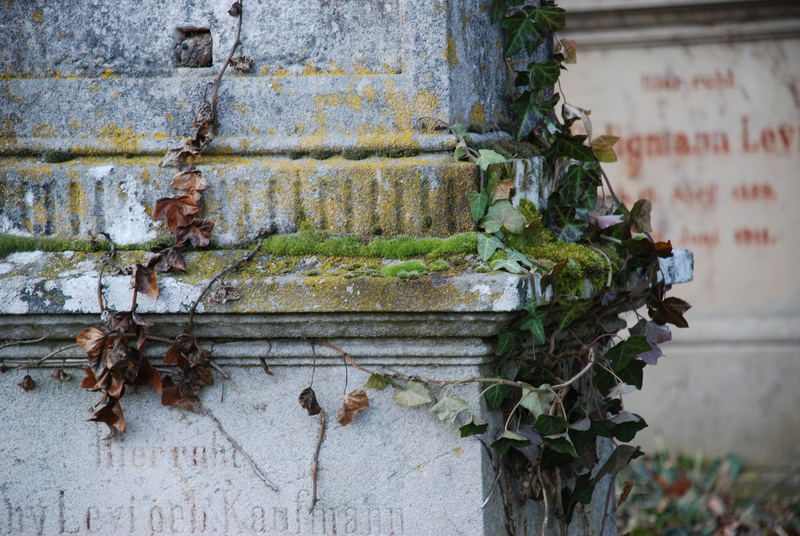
{"x":487,"y":157}
{"x":459,"y":130}
{"x":670,"y":311}
{"x":545,"y":74}
{"x":379,"y":382}
{"x":507,"y":265}
{"x":530,"y":110}
{"x":460,"y":151}
{"x":640,"y":216}
{"x":487,"y":245}
{"x":189,"y":180}
{"x":354,"y":402}
{"x":562,"y":445}
{"x":447,"y":409}
{"x":569,"y":146}
{"x":622,"y":354}
{"x":537,"y":402}
{"x":176,"y":210}
{"x":566,"y":50}
{"x":415,"y":394}
{"x":509,"y":439}
{"x":514,"y":255}
{"x":602,"y":147}
{"x":197,"y":232}
{"x":627,"y":425}
{"x":144,"y":280}
{"x":475,"y":426}
{"x":551,"y":425}
{"x":550,"y":19}
{"x":494,"y":395}
{"x":503,"y":215}
{"x":503,"y":190}
{"x":523,"y":34}
{"x":499,"y":8}
{"x":308,"y":401}
{"x":478,"y":201}
{"x":505,"y":341}
{"x":574,"y":310}
{"x":535,"y":324}
{"x":570,"y":113}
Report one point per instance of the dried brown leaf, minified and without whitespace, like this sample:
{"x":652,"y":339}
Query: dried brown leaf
{"x":176,"y":211}
{"x":308,"y":401}
{"x":144,"y":280}
{"x":61,"y":376}
{"x":196,"y":232}
{"x":640,"y":216}
{"x":93,"y":341}
{"x":189,"y":180}
{"x":503,"y":190}
{"x":225,"y":293}
{"x":27,"y":383}
{"x":111,"y":415}
{"x":242,"y":63}
{"x":235,"y":10}
{"x":167,"y":259}
{"x":354,"y":402}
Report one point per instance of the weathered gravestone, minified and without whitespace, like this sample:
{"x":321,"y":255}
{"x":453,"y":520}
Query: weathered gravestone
{"x":105,"y":82}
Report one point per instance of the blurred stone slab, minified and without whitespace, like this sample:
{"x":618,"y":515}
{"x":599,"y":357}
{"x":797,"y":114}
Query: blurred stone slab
{"x":80,"y":77}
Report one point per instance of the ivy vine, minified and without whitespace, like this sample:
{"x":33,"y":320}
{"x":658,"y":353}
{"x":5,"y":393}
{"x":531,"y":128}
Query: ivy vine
{"x":564,"y":362}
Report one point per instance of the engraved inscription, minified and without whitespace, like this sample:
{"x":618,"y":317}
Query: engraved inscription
{"x":225,"y":512}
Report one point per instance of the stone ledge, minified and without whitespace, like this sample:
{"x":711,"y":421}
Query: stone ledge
{"x":59,"y":283}
{"x":417,"y":196}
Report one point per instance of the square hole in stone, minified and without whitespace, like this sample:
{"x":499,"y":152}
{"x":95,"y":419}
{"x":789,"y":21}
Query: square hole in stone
{"x":194,"y":47}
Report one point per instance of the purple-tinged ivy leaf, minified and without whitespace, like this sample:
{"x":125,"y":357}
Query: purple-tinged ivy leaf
{"x":651,"y":357}
{"x":656,"y":334}
{"x":608,"y":296}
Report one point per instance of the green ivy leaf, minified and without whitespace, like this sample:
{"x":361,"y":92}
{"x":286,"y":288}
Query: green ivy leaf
{"x":487,"y":245}
{"x":460,"y":151}
{"x":562,"y":445}
{"x":377,"y":381}
{"x":505,"y":341}
{"x":415,"y":394}
{"x":507,"y":265}
{"x":575,"y":310}
{"x":487,"y":157}
{"x":622,"y":354}
{"x":545,"y":74}
{"x":568,"y":146}
{"x":530,"y":110}
{"x":495,"y":395}
{"x":551,"y":425}
{"x":509,"y":439}
{"x":459,"y":130}
{"x":478,"y":201}
{"x":602,"y":147}
{"x":550,"y":19}
{"x":522,"y":32}
{"x":475,"y":426}
{"x":503,"y":215}
{"x":514,"y":255}
{"x":537,"y":402}
{"x":447,"y":409}
{"x":535,"y":324}
{"x":499,"y":8}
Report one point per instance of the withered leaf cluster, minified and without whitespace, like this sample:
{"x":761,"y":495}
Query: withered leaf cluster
{"x":116,"y":360}
{"x":193,"y":362}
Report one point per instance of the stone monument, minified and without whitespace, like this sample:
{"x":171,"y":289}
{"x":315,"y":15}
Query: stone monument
{"x":321,"y":132}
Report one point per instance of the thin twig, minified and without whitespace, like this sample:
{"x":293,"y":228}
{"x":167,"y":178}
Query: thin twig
{"x":264,"y":366}
{"x":546,"y":504}
{"x":222,"y":273}
{"x":31,"y":364}
{"x":323,"y":422}
{"x":235,"y":444}
{"x":219,"y":369}
{"x":107,"y":258}
{"x":27,"y":341}
{"x":218,"y":79}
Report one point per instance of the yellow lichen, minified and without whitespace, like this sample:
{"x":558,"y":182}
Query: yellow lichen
{"x":450,"y":53}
